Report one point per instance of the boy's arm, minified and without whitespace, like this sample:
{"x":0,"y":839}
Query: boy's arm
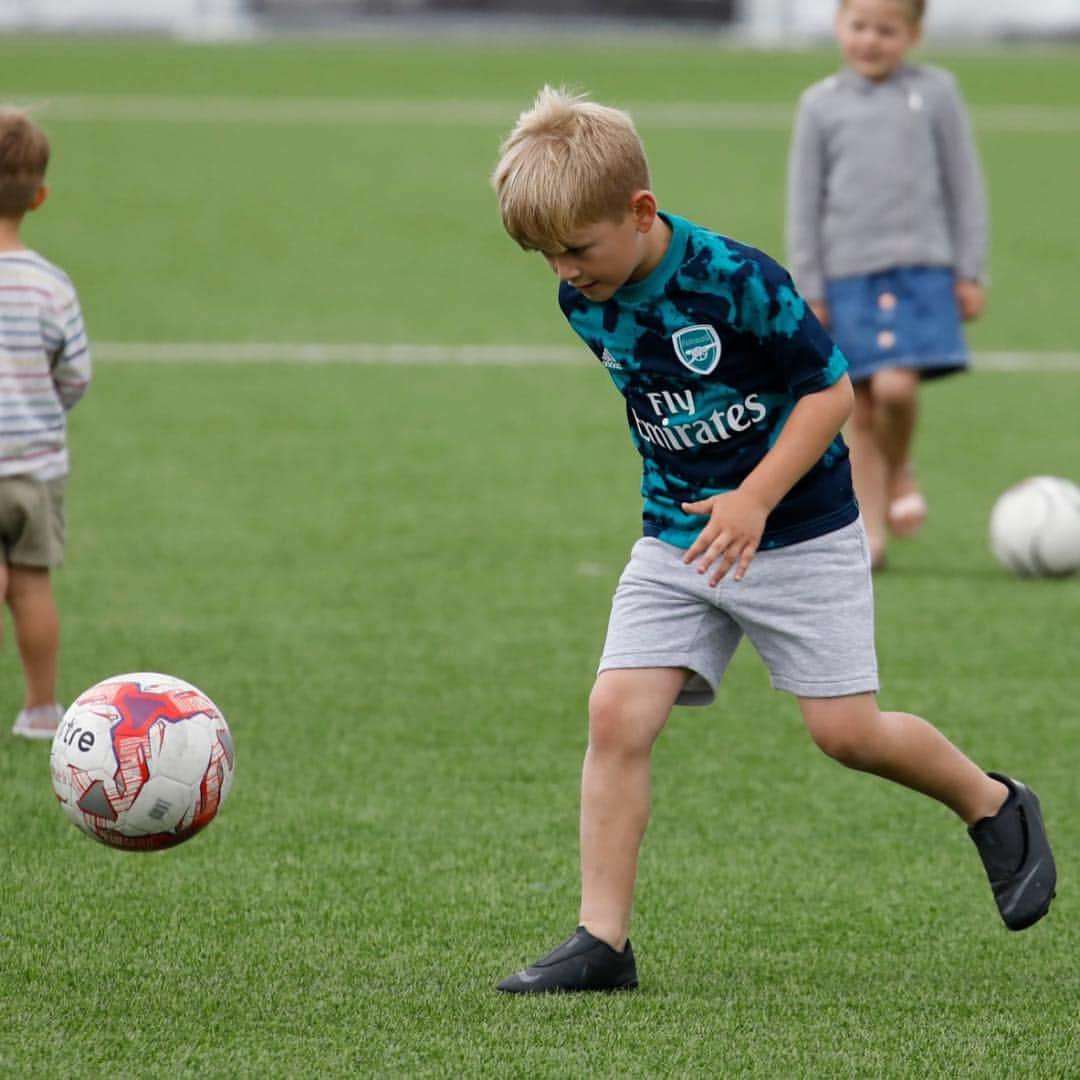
{"x":737,"y":518}
{"x":805,"y":198}
{"x":70,"y":351}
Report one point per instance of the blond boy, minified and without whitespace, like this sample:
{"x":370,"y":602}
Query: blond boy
{"x":735,"y":398}
{"x":44,"y":371}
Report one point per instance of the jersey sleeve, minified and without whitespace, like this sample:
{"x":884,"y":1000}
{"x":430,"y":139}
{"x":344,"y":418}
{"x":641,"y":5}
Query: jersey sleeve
{"x":789,"y":332}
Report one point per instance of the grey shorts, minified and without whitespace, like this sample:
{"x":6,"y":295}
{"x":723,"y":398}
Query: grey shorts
{"x":808,"y":609}
{"x":32,"y":520}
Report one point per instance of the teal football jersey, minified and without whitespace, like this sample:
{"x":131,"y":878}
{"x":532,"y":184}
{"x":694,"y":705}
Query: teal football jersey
{"x":711,"y":352}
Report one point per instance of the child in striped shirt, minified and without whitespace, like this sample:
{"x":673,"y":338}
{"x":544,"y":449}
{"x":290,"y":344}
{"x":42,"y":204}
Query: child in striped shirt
{"x":44,"y":371}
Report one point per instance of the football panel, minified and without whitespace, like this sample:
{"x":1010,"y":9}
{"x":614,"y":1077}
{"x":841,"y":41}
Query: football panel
{"x":181,"y":749}
{"x":1014,"y":523}
{"x":1058,"y":543}
{"x":83,"y":740}
{"x":159,"y":807}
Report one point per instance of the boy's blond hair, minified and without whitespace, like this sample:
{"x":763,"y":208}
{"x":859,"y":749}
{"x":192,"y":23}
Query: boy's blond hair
{"x":916,"y":9}
{"x":568,"y":163}
{"x":24,"y":157}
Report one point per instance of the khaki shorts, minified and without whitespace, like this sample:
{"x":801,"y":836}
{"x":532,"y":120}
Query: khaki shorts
{"x":808,"y":609}
{"x":32,"y":520}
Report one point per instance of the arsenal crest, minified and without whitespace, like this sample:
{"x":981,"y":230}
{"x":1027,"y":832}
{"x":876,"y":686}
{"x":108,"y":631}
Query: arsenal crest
{"x":698,"y":347}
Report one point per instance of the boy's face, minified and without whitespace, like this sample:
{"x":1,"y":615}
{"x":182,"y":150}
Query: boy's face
{"x":875,"y":35}
{"x":604,"y":256}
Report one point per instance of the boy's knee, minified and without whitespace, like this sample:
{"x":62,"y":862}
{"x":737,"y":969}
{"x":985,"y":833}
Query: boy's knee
{"x":616,"y":723}
{"x":840,"y":743}
{"x":607,"y":716}
{"x":30,"y":597}
{"x":844,"y":734}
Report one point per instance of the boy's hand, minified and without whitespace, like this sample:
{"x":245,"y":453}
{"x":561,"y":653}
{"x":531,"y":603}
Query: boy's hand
{"x":736,"y":522}
{"x":970,"y":299}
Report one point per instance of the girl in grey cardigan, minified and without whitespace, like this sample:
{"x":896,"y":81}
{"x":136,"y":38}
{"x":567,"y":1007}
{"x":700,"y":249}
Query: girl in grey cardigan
{"x":887,"y":237}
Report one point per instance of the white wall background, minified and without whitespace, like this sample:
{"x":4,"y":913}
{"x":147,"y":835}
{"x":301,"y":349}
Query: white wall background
{"x":198,"y":18}
{"x":768,"y":22}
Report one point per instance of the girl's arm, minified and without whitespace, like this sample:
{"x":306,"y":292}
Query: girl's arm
{"x":963,"y":186}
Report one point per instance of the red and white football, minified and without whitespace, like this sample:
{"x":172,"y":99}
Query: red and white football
{"x":142,"y":761}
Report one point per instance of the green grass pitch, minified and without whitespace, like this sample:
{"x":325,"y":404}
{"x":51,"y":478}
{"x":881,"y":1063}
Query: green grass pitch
{"x":394,"y":580}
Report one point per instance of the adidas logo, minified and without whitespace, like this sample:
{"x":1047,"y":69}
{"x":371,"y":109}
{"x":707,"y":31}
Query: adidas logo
{"x":609,"y":361}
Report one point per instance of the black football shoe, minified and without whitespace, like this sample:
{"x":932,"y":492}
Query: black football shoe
{"x":581,"y":962}
{"x":1017,"y":856}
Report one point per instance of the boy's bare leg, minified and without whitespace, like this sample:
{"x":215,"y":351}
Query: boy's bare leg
{"x":1003,"y":815}
{"x":869,"y":471}
{"x":627,"y":711}
{"x":903,"y":748}
{"x":37,"y":630}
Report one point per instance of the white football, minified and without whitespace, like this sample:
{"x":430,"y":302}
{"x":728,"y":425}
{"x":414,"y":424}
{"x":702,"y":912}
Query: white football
{"x":142,"y":761}
{"x":1035,"y":527}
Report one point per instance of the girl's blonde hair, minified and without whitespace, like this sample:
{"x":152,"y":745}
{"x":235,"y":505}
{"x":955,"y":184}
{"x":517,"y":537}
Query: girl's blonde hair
{"x":567,"y":163}
{"x":24,"y":156}
{"x":916,"y":9}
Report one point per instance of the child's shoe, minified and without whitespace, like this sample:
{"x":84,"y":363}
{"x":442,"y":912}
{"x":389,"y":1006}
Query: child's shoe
{"x":582,"y":962}
{"x":907,"y":514}
{"x":40,"y":722}
{"x":907,"y":504}
{"x":1017,"y":856}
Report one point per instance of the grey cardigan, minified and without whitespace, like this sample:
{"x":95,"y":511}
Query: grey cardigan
{"x":883,"y":174}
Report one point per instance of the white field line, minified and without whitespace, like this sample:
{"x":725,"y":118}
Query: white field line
{"x":355,"y":353}
{"x":1027,"y":361}
{"x":179,"y":352}
{"x":1034,"y":119}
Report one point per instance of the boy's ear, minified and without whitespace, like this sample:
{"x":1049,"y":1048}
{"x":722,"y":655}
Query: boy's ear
{"x":40,"y":196}
{"x":643,"y":207}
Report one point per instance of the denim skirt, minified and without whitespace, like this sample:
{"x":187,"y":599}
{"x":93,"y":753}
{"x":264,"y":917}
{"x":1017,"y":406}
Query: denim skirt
{"x":905,"y":317}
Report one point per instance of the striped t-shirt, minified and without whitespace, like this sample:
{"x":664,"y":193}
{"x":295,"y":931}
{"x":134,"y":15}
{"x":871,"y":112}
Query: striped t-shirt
{"x":44,"y":364}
